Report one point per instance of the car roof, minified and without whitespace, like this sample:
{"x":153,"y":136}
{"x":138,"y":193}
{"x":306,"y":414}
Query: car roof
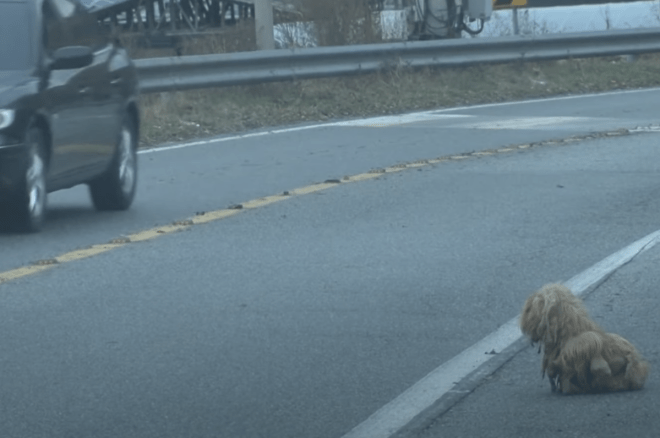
{"x":78,"y":5}
{"x":32,"y":3}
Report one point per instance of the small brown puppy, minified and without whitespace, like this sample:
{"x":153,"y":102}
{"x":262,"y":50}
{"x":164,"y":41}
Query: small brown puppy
{"x":578,"y":355}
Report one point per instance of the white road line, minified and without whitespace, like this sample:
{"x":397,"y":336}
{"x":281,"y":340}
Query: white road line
{"x":399,"y":412}
{"x":591,"y":276}
{"x":402,"y":119}
{"x":386,"y":120}
{"x":530,"y":123}
{"x":232,"y":138}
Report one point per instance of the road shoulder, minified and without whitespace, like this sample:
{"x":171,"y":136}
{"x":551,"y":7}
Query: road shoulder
{"x":515,"y":401}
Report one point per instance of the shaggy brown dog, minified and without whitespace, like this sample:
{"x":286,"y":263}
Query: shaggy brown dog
{"x":578,"y":355}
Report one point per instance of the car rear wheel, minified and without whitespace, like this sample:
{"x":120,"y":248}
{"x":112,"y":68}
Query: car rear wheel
{"x":115,"y":189}
{"x":27,"y":205}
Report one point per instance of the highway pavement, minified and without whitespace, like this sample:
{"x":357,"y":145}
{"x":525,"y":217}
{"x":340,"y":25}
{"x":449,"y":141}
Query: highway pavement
{"x":302,"y":317}
{"x":217,"y":173}
{"x":515,"y":402}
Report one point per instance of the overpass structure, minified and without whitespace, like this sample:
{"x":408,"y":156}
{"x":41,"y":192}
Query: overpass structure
{"x":156,"y":18}
{"x":170,"y":15}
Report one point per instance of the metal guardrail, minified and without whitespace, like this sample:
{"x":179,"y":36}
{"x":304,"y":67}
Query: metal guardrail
{"x":244,"y":68}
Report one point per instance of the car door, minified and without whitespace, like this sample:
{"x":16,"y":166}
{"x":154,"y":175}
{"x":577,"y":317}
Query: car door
{"x":98,"y":136}
{"x":66,"y":98}
{"x":101,"y":101}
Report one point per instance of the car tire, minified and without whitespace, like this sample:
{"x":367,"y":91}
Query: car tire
{"x":27,"y":204}
{"x":116,"y":188}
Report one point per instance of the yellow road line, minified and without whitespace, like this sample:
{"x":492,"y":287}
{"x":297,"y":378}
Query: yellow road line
{"x":213,"y":216}
{"x":156,"y":232}
{"x":312,"y":189}
{"x":206,"y":217}
{"x":262,"y":202}
{"x":17,"y":273}
{"x":363,"y":177}
{"x":87,"y":252}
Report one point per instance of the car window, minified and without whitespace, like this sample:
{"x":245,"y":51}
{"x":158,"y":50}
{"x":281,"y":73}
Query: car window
{"x":65,"y":8}
{"x":15,"y":36}
{"x":79,"y":29}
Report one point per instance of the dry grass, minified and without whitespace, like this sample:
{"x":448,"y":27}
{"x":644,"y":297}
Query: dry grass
{"x":170,"y":117}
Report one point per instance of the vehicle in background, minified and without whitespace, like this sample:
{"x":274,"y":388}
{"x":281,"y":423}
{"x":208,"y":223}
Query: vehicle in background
{"x":68,"y":110}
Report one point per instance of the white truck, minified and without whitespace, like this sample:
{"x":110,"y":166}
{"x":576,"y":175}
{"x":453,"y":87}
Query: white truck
{"x":439,"y":19}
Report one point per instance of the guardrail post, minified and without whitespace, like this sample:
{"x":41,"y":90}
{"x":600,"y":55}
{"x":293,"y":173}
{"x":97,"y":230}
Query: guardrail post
{"x":514,"y":16}
{"x":263,"y":16}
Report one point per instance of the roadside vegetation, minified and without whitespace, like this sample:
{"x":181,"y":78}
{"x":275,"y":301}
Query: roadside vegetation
{"x":179,"y":116}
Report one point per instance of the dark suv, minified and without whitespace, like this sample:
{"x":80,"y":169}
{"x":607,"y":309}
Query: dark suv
{"x":68,"y":110}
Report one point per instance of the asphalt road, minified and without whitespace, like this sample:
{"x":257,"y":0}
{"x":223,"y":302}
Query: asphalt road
{"x":301,"y":318}
{"x":177,"y":183}
{"x":515,"y":402}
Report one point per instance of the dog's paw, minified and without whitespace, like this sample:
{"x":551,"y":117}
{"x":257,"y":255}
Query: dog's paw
{"x":636,"y":372}
{"x":599,"y":367}
{"x":618,"y":365}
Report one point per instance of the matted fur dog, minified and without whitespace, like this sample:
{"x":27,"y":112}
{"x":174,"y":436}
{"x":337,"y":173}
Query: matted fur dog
{"x":578,"y":355}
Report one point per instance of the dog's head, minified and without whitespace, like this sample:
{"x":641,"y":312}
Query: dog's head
{"x":549,"y":312}
{"x":531,"y":317}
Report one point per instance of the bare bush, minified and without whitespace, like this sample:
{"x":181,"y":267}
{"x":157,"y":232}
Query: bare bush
{"x":342,"y":22}
{"x":238,"y":38}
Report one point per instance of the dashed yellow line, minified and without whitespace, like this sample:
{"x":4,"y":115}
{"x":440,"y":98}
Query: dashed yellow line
{"x":25,"y":271}
{"x":213,"y":216}
{"x":87,"y":252}
{"x":206,"y":217}
{"x":362,"y":177}
{"x":313,"y":188}
{"x":156,"y":232}
{"x":262,"y":202}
